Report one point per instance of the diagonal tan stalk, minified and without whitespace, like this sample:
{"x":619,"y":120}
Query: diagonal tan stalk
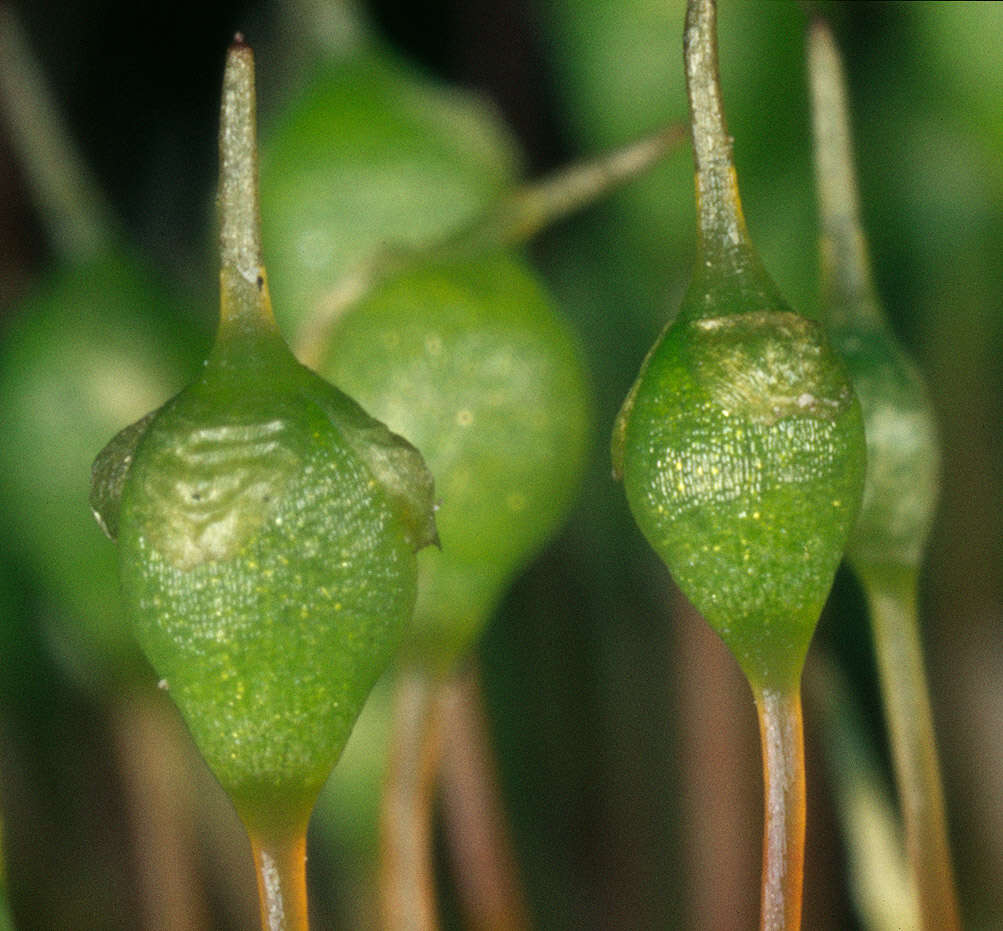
{"x":781,"y":733}
{"x":891,"y":597}
{"x":518,"y":217}
{"x":280,"y":867}
{"x":515,"y":219}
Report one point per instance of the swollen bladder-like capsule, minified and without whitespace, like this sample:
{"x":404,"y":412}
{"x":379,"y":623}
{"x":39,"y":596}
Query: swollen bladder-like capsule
{"x":741,"y":443}
{"x":741,"y":454}
{"x":267,"y":529}
{"x":471,"y":362}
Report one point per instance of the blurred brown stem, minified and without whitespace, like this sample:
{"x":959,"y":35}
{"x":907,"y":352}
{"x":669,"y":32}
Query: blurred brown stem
{"x":479,"y":843}
{"x":719,"y":759}
{"x":154,"y":771}
{"x":439,"y":730}
{"x":407,"y":871}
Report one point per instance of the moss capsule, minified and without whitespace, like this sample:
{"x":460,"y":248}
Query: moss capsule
{"x":469,"y":361}
{"x":372,"y":155}
{"x":267,"y":529}
{"x":741,"y":443}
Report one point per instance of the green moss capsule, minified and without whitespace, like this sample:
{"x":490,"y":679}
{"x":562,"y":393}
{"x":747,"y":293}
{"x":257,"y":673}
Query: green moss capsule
{"x":903,"y":459}
{"x":742,"y":460}
{"x":741,"y":444}
{"x":88,"y":350}
{"x":456,"y":350}
{"x":371,"y":155}
{"x":469,"y":361}
{"x":902,"y":449}
{"x":903,"y":453}
{"x":267,"y":529}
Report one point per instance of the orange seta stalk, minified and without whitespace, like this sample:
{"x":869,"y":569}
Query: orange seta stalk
{"x":782,"y":735}
{"x":280,"y":867}
{"x":279,"y":852}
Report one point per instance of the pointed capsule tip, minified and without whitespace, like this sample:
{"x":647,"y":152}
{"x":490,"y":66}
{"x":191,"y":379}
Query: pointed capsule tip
{"x":240,"y":237}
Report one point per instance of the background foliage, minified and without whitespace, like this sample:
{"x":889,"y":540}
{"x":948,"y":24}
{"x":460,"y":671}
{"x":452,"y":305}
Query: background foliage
{"x":625,"y":736}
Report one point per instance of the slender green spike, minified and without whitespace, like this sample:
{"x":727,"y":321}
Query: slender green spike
{"x":902,"y":446}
